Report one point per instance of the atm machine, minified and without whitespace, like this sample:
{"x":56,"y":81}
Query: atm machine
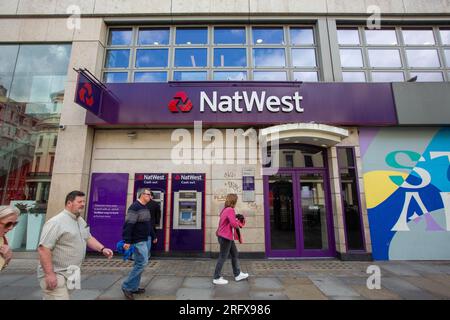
{"x":187,"y":210}
{"x":158,"y":196}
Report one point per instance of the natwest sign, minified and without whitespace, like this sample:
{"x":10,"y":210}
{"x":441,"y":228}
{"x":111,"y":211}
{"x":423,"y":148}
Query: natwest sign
{"x":254,"y":101}
{"x":248,"y":103}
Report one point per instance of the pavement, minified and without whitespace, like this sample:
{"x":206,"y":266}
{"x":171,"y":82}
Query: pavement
{"x":191,"y":279}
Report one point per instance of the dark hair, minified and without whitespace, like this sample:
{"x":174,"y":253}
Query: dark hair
{"x":73,"y":194}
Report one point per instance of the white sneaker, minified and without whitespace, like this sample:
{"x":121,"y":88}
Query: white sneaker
{"x":221,"y":280}
{"x":241,"y":276}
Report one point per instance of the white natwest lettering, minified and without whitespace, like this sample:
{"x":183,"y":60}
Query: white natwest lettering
{"x":232,"y":103}
{"x":153,"y":177}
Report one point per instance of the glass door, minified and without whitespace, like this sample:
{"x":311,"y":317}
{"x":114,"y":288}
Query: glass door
{"x":315,"y":217}
{"x":282,"y":218}
{"x":298,"y":219}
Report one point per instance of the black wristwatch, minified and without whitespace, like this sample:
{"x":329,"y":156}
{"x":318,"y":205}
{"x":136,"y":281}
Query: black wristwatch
{"x":101,"y":250}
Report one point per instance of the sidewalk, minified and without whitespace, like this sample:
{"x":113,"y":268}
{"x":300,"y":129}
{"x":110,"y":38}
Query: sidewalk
{"x":191,"y":279}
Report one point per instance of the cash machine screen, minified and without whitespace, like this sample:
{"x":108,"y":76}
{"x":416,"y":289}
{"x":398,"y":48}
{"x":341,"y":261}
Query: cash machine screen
{"x":188,"y":212}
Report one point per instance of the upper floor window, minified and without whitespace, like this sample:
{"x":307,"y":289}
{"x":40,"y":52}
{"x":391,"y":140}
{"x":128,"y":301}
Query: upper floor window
{"x":221,"y":53}
{"x":394,"y":54}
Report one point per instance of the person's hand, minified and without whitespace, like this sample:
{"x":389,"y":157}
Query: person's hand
{"x":51,"y":281}
{"x":108,"y":253}
{"x":6,"y":253}
{"x":155,"y":240}
{"x":126,"y":246}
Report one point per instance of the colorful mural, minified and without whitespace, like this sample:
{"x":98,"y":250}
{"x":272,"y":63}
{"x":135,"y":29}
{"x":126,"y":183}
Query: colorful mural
{"x":407,"y":185}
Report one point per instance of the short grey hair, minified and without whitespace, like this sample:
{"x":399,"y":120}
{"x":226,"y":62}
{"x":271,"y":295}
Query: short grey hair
{"x":8,"y":210}
{"x":141,"y":191}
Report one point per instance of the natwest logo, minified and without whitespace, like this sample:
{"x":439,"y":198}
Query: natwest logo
{"x":242,"y":101}
{"x":180,"y":102}
{"x":85,"y":94}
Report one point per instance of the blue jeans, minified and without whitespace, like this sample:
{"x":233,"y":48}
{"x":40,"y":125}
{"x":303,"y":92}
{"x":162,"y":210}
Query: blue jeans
{"x":140,"y":261}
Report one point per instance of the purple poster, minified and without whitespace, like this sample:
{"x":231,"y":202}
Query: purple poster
{"x":187,"y":232}
{"x":157,"y":182}
{"x":107,"y":207}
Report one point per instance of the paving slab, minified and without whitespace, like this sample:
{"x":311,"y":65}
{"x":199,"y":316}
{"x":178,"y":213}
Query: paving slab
{"x":332,"y":286}
{"x":399,"y":270}
{"x":198,"y":282}
{"x":405,"y":289}
{"x":268,"y":295}
{"x":375,"y":294}
{"x":304,"y":292}
{"x":164,"y":285}
{"x":259,"y":283}
{"x":194,"y":294}
{"x":85,"y":294}
{"x":233,"y":290}
{"x":27,"y":281}
{"x":434,"y":287}
{"x":6,"y":279}
{"x":100,"y":281}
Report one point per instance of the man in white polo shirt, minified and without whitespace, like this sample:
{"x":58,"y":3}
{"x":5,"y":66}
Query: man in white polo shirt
{"x":63,"y":244}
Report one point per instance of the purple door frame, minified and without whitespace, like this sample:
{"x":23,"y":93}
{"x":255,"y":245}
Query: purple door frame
{"x":300,"y":251}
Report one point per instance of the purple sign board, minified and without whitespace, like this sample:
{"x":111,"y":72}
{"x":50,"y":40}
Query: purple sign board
{"x":248,"y":103}
{"x":187,"y":230}
{"x":88,"y":94}
{"x":107,"y":207}
{"x":157,"y":182}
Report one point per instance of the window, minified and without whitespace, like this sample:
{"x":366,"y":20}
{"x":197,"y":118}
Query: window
{"x":150,"y":76}
{"x":36,"y":165}
{"x":153,"y":36}
{"x":152,"y":58}
{"x":52,"y":161}
{"x":263,"y":35}
{"x":191,"y":57}
{"x":32,"y":81}
{"x":117,"y":58}
{"x":394,"y":53}
{"x":226,"y":57}
{"x":219,"y":53}
{"x":189,"y":76}
{"x":269,"y":57}
{"x":120,"y":37}
{"x":55,"y":140}
{"x":350,"y":199}
{"x":230,"y":75}
{"x":229,"y":35}
{"x":190,"y":36}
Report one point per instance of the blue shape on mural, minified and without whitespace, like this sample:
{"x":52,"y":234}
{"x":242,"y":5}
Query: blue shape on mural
{"x":383,"y":217}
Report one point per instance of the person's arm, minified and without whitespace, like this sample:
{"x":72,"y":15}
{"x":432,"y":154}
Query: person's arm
{"x":94,"y":244}
{"x":231,"y":215}
{"x":45,"y":257}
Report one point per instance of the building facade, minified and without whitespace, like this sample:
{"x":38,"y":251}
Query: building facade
{"x":330,"y":122}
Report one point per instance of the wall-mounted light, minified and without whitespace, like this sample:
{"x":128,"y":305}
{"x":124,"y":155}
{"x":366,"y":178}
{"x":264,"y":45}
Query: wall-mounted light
{"x":132,"y":134}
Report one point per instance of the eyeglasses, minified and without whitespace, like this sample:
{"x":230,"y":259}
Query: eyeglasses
{"x":10,"y":224}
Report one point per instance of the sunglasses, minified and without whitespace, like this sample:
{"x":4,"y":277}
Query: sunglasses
{"x":10,"y":224}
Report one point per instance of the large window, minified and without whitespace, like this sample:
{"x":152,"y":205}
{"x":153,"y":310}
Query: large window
{"x":394,"y":54}
{"x":350,"y":199}
{"x":32,"y":81}
{"x":221,"y":53}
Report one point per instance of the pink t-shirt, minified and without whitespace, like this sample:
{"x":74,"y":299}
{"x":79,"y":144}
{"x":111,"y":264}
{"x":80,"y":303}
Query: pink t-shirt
{"x":227,"y":223}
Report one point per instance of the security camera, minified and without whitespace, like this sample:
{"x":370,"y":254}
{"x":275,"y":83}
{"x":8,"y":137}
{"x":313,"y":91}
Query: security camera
{"x":62,"y":127}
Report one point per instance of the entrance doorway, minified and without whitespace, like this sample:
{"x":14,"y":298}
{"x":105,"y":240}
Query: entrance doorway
{"x":298,"y":220}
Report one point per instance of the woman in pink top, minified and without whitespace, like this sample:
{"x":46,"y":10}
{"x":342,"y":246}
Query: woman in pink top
{"x":226,"y":233}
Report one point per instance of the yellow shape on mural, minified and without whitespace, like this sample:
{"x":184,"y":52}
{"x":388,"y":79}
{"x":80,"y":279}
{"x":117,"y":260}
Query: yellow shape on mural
{"x":378,"y":186}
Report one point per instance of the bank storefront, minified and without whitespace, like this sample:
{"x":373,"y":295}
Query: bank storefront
{"x":321,"y":169}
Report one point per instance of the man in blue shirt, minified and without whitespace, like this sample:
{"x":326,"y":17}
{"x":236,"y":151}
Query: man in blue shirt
{"x":137,"y":230}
